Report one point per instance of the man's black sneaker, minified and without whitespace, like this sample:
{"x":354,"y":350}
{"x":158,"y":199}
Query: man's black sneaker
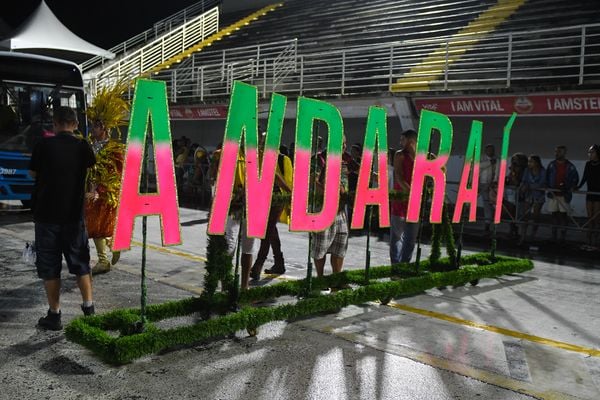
{"x":88,"y":310}
{"x":51,"y":322}
{"x":255,"y":274}
{"x":275,"y":271}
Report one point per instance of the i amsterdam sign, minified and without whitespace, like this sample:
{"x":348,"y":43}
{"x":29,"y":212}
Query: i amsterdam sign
{"x":532,"y":105}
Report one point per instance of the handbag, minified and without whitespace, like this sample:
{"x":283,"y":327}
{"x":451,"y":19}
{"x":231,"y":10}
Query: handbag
{"x":29,"y":254}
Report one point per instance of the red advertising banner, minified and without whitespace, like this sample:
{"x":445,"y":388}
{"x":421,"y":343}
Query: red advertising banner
{"x":530,"y":104}
{"x":197,"y":112}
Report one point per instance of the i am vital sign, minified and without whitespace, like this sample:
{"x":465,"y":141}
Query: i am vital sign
{"x":150,"y":103}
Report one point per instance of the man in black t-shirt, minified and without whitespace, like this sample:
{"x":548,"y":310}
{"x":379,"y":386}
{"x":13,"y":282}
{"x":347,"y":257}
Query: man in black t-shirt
{"x":59,"y":165}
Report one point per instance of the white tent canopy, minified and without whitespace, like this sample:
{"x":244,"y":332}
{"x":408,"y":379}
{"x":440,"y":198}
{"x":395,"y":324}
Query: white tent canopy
{"x":42,"y":30}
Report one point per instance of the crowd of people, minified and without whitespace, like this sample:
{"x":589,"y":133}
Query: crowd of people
{"x":191,"y":167}
{"x":529,"y":186}
{"x":64,"y":188}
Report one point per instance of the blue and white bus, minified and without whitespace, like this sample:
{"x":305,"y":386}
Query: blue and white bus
{"x":30,"y":87}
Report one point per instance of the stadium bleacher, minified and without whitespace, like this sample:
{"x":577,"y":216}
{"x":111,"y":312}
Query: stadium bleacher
{"x":324,"y":28}
{"x":544,"y":14}
{"x":361,"y":48}
{"x":538,"y":28}
{"x":325,"y":25}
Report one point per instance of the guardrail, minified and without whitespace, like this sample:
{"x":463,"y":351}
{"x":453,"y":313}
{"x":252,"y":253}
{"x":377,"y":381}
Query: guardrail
{"x":565,"y":56}
{"x":161,"y":49}
{"x":194,"y":185}
{"x":524,"y":221}
{"x":158,"y":29}
{"x":214,"y":72}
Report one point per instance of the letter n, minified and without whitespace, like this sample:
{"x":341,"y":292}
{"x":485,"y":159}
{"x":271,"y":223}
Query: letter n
{"x":149,"y":101}
{"x":259,"y":176}
{"x":376,"y":132}
{"x":429,"y":121}
{"x":467,"y":189}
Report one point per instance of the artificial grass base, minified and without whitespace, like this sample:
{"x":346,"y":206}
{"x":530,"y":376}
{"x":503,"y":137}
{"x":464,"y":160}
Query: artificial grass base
{"x":92,"y":332}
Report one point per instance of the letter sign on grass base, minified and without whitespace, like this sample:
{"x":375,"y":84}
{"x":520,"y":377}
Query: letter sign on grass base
{"x":149,"y":102}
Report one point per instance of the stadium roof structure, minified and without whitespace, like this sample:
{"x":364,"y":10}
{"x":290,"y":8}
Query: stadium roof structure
{"x":43,"y":33}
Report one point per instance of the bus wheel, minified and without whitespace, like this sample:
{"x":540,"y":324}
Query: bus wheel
{"x":26,"y":203}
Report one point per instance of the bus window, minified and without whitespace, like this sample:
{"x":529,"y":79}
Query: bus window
{"x":29,"y":113}
{"x":30,"y":88}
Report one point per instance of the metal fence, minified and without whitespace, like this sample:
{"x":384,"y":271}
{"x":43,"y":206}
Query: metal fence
{"x":158,"y":29}
{"x":160,"y":50}
{"x":562,"y":56}
{"x":214,"y":72}
{"x":526,"y":224}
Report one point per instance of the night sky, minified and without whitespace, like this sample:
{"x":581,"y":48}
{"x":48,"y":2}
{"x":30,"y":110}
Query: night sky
{"x":104,"y":23}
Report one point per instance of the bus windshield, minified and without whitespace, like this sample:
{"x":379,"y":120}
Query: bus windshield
{"x":31,"y":87}
{"x":26,"y":112}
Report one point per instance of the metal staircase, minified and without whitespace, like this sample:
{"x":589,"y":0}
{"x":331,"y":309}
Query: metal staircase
{"x":172,"y":48}
{"x":158,"y":51}
{"x":158,"y":29}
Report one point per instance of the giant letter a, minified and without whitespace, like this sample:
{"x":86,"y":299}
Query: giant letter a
{"x":149,"y":101}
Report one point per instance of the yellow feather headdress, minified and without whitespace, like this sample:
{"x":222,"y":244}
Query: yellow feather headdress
{"x":109,"y":107}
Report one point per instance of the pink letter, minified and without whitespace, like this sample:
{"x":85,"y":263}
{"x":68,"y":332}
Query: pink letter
{"x":376,"y":132}
{"x":434,"y":168}
{"x":259,"y":178}
{"x":467,"y":190}
{"x":150,"y":100}
{"x":301,"y":218}
{"x":502,"y":173}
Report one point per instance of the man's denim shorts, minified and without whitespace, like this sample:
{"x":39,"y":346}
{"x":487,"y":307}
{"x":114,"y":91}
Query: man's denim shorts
{"x":52,"y":241}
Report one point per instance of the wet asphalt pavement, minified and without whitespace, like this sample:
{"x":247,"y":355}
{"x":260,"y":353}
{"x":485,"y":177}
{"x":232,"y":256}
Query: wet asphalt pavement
{"x":532,"y":335}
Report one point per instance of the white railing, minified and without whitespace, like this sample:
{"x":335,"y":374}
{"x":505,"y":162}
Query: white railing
{"x":160,"y":50}
{"x":563,"y":56}
{"x":217,"y":70}
{"x":228,"y":56}
{"x":284,"y":64}
{"x":158,"y":29}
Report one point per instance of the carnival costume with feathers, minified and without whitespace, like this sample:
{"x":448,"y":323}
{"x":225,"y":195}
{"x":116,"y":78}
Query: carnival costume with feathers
{"x":108,"y":108}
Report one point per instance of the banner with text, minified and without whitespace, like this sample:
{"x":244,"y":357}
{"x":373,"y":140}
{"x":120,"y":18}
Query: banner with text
{"x":524,"y":105}
{"x":197,"y":112}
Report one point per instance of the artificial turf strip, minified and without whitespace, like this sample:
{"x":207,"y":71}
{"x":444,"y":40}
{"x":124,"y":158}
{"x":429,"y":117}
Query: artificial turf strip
{"x":91,"y":332}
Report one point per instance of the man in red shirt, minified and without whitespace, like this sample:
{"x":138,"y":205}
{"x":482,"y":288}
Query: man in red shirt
{"x":403,"y":235}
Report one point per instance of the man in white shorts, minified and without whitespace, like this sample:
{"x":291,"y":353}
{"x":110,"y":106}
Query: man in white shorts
{"x":561,"y":178}
{"x":236,"y":221}
{"x":334,"y":240}
{"x":247,"y":246}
